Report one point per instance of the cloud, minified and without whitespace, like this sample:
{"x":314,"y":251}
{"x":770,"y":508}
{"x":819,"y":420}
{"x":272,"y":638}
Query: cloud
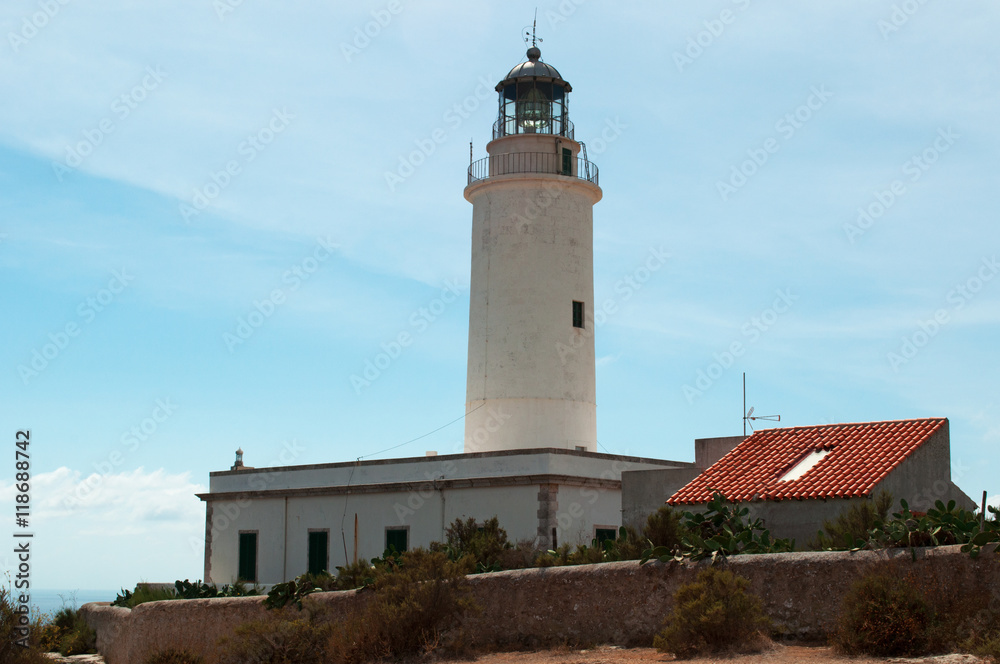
{"x":111,"y":530}
{"x":134,"y":501}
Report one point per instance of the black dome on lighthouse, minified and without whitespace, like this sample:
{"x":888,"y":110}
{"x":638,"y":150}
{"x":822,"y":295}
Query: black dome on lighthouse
{"x":534,"y":68}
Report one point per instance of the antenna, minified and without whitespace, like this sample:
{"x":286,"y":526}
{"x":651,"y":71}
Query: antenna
{"x":532,"y":33}
{"x":470,"y":152}
{"x":750,"y":417}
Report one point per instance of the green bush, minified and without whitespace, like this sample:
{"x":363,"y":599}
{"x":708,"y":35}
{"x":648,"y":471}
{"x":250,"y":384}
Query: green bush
{"x":852,"y":526}
{"x":12,"y":652}
{"x":172,"y":656}
{"x":417,"y":600}
{"x":414,"y":605}
{"x":297,"y":589}
{"x":143,"y":593}
{"x":80,"y":641}
{"x":355,"y":575}
{"x":663,"y":528}
{"x":520,"y":556}
{"x":883,"y":615}
{"x":714,"y":614}
{"x":185,"y":589}
{"x":485,"y":544}
{"x":304,"y":640}
{"x":722,"y":530}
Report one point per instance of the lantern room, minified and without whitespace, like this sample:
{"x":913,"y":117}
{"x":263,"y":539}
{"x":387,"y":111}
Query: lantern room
{"x":534,"y":99}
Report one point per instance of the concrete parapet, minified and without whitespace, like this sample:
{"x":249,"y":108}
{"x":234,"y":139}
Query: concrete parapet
{"x":612,"y":603}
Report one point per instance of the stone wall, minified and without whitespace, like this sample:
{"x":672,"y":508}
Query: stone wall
{"x":614,"y":603}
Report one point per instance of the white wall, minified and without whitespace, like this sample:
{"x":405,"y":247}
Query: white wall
{"x":531,"y":376}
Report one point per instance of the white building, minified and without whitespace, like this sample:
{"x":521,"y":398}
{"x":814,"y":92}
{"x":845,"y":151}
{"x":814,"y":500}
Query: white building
{"x":531,"y":430}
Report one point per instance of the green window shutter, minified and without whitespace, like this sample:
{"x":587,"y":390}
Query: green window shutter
{"x":319,"y":549}
{"x":606,"y":534}
{"x":577,"y":314}
{"x":397,"y":538}
{"x":248,"y":558}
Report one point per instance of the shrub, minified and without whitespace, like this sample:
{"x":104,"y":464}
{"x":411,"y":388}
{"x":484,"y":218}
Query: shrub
{"x":712,"y":615}
{"x":198,"y":590}
{"x":298,"y":588}
{"x":172,"y":656}
{"x":143,"y":593}
{"x":722,"y":530}
{"x":10,"y":651}
{"x":485,"y":543}
{"x":883,"y":615}
{"x":80,"y":641}
{"x":278,"y":641}
{"x":417,"y":598}
{"x":520,"y":556}
{"x":355,"y":575}
{"x":555,"y":558}
{"x":851,"y":528}
{"x":663,"y":528}
{"x":586,"y":555}
{"x":414,"y":605}
{"x":45,"y":634}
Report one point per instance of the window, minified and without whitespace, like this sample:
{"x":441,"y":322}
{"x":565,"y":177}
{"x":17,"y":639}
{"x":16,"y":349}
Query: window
{"x":581,"y":448}
{"x":247,"y":570}
{"x":567,"y":162}
{"x":397,"y":538}
{"x":603,"y":534}
{"x":577,"y":314}
{"x":804,"y":465}
{"x":319,"y":551}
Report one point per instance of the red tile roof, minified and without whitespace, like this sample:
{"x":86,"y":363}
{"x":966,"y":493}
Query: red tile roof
{"x":861,"y":455}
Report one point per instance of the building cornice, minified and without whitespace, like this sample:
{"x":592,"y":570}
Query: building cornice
{"x":423,"y":485}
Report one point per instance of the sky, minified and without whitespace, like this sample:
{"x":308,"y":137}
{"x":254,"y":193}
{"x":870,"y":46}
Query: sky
{"x":214,"y":215}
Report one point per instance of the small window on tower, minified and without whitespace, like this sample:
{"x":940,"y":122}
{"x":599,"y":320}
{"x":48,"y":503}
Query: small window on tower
{"x":577,"y":314}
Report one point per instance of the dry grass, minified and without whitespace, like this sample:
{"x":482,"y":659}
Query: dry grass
{"x":611,"y":655}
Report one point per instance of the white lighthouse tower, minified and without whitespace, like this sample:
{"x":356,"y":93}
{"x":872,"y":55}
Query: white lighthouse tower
{"x":531,"y":374}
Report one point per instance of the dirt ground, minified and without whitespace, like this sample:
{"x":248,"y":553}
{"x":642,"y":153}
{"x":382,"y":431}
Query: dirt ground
{"x":780,"y":655}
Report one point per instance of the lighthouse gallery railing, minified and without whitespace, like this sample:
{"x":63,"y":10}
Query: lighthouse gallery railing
{"x":532,"y":162}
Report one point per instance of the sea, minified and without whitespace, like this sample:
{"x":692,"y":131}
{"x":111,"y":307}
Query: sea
{"x":49,"y":601}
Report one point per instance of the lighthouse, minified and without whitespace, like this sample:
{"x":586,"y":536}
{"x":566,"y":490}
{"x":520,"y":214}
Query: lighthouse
{"x":531,"y":370}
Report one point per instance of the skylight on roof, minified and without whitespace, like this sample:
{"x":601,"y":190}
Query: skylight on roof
{"x":804,"y":466}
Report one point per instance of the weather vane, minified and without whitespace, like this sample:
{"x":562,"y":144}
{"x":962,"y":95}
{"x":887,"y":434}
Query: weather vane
{"x":531,"y":33}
